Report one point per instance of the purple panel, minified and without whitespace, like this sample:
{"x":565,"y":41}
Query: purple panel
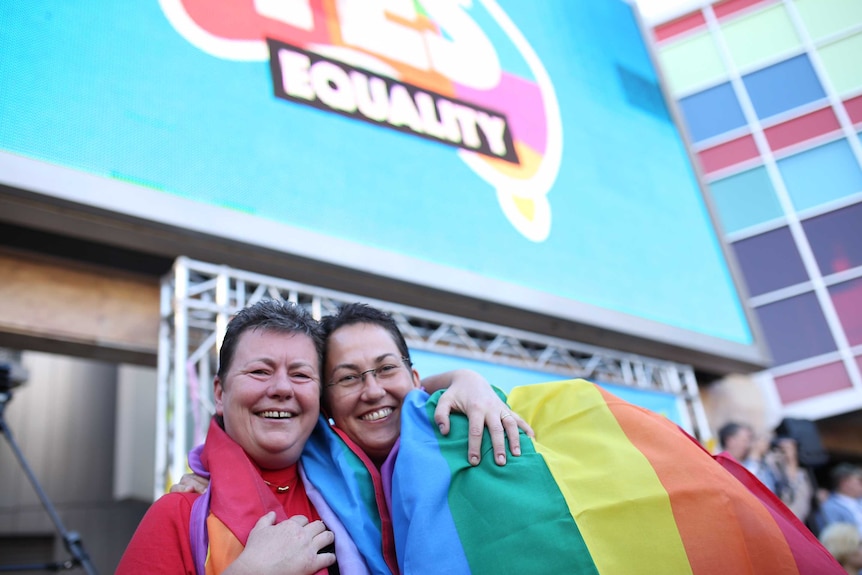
{"x":836,"y":239}
{"x":769,"y":261}
{"x":847,"y":297}
{"x":795,"y":329}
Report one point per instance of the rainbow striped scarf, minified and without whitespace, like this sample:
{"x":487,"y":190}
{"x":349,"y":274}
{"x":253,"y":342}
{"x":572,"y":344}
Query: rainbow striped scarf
{"x":222,"y":518}
{"x":608,"y":488}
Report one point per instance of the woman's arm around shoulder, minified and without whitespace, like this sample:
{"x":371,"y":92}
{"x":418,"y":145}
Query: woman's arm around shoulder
{"x":471,"y":394}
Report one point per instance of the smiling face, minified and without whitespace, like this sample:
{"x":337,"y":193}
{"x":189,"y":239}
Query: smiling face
{"x":270,"y":395}
{"x":369,"y":412}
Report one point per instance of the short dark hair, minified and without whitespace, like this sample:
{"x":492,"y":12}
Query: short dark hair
{"x":728,"y":430}
{"x":841,"y":472}
{"x":355,"y":313}
{"x":269,"y":315}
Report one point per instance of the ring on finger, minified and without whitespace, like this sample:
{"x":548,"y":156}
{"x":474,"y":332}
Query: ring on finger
{"x":505,"y":416}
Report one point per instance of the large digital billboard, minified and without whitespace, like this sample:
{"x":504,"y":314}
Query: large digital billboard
{"x":515,"y":152}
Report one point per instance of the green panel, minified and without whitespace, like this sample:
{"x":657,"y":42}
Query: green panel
{"x":761,"y":36}
{"x":691,"y":63}
{"x":826,"y":17}
{"x":745,"y":200}
{"x":843,"y":63}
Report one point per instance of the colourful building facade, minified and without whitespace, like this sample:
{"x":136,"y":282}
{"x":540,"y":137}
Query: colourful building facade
{"x":770,"y":95}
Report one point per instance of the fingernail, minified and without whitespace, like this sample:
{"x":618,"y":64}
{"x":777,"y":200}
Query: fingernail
{"x":440,"y":427}
{"x":501,"y":459}
{"x":516,"y":451}
{"x":474,"y":460}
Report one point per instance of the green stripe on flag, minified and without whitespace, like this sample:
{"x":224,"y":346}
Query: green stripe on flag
{"x":510,"y":519}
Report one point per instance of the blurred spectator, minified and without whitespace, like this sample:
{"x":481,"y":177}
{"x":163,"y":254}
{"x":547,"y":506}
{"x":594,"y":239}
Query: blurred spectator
{"x":844,"y":542}
{"x":844,"y":505}
{"x":793,"y":483}
{"x":738,"y":440}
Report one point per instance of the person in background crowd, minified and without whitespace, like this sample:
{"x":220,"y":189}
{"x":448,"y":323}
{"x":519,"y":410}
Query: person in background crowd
{"x":738,"y":440}
{"x":844,"y":542}
{"x":792,"y":482}
{"x":844,"y":504}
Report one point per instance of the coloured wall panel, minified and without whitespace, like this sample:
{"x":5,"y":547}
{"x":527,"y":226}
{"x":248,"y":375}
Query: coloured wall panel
{"x":821,"y":174}
{"x":783,"y":86}
{"x":711,"y":112}
{"x":769,"y":261}
{"x":812,"y":382}
{"x":764,"y":35}
{"x":728,"y":154}
{"x":688,"y":23}
{"x":836,"y":239}
{"x":854,"y":109}
{"x":818,"y":123}
{"x":729,"y":9}
{"x":823,"y":18}
{"x":842,"y":61}
{"x":691,"y":63}
{"x":847,"y":298}
{"x":745,"y":200}
{"x":795,"y":329}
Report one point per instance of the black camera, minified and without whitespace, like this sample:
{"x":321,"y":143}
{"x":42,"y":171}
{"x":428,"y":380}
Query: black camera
{"x":11,"y":376}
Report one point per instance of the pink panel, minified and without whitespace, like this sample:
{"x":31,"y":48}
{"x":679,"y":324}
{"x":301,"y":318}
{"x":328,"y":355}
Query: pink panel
{"x":854,"y":109}
{"x":812,"y":382}
{"x":730,"y":7}
{"x":678,"y":26}
{"x":802,"y":128}
{"x":847,"y":297}
{"x":728,"y":154}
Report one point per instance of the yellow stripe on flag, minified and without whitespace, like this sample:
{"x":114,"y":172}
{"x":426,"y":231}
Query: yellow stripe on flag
{"x":619,"y":504}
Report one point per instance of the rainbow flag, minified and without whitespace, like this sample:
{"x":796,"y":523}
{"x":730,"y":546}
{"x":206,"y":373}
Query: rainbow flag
{"x":607,"y":488}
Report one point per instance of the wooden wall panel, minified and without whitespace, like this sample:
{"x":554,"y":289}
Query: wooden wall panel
{"x":64,"y":307}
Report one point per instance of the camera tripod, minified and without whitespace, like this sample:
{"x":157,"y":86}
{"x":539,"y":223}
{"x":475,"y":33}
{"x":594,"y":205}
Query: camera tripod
{"x":74,"y":544}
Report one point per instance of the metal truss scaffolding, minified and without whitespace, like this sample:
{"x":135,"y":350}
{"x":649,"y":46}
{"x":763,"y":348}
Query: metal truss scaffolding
{"x":198,"y":299}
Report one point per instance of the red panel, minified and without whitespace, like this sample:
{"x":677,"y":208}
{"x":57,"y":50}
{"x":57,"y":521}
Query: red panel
{"x":854,"y":109}
{"x":729,"y":7}
{"x":802,"y":128}
{"x":678,"y":26}
{"x":728,"y":154}
{"x":812,"y":382}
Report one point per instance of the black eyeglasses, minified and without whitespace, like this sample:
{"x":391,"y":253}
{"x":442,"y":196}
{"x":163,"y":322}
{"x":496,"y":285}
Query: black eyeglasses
{"x":352,"y":380}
